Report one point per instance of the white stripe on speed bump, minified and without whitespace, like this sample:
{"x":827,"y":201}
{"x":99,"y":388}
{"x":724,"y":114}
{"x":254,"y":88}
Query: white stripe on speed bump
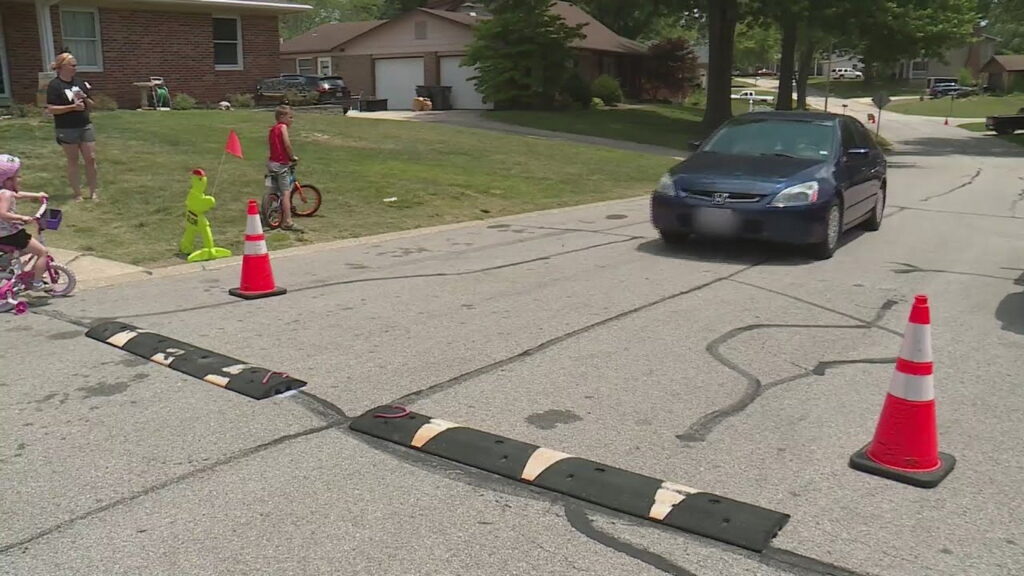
{"x":431,"y":429}
{"x":667,"y":497}
{"x":540,"y":461}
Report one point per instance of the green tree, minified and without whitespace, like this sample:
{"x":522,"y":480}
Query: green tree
{"x":389,"y":9}
{"x":326,"y":11}
{"x":522,"y":54}
{"x":627,"y":19}
{"x":757,"y":43}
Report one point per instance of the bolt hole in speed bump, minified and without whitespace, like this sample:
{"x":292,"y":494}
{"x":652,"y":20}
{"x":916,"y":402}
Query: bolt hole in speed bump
{"x":695,"y":511}
{"x":210,"y":367}
{"x":905,"y":447}
{"x":257,"y":279}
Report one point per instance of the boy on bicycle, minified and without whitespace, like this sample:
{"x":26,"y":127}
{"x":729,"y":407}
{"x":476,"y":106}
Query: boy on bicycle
{"x":12,"y":224}
{"x":280,"y":160}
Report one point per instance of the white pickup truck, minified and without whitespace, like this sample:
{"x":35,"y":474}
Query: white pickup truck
{"x":752,"y":95}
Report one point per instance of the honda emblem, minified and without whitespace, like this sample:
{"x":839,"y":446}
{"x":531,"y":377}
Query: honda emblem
{"x":719,"y":198}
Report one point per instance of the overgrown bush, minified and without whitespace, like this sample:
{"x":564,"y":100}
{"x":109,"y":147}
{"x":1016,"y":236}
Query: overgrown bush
{"x":607,"y":89}
{"x":242,"y":100}
{"x":965,"y":77}
{"x":23,"y":111}
{"x":183,"y":101}
{"x":596,"y":102}
{"x":103,"y":103}
{"x":575,"y":90}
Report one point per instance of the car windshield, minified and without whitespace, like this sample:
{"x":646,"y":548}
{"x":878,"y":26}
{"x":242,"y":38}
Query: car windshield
{"x":808,"y":139}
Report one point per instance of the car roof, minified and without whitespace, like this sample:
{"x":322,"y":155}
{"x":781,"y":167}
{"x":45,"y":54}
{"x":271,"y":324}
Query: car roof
{"x":797,"y":115}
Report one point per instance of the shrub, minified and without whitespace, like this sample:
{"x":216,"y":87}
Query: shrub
{"x":965,"y":78}
{"x":23,"y":111}
{"x":575,"y":89}
{"x":103,"y":102}
{"x":183,"y":101}
{"x":596,"y":102}
{"x":242,"y":100}
{"x":607,"y":89}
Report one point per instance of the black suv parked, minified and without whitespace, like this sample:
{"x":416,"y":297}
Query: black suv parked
{"x":307,"y":90}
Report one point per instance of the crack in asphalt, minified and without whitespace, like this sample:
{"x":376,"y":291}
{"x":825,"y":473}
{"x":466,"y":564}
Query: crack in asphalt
{"x":978,"y":214}
{"x":455,"y":381}
{"x":390,"y":278}
{"x":955,"y":188}
{"x":699,"y":430}
{"x":174,"y":480}
{"x":581,"y":522}
{"x":913,"y":269}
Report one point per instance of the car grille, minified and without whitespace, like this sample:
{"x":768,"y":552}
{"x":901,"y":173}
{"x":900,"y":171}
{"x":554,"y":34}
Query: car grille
{"x":730,"y":197}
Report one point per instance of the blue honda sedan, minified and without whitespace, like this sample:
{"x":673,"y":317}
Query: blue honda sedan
{"x":792,"y":177}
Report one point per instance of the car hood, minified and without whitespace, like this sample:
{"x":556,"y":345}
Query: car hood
{"x":714,"y":172}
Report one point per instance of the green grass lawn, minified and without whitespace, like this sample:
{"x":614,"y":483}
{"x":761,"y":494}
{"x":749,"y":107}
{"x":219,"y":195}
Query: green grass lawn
{"x":973,"y":107}
{"x":862,"y":89}
{"x":1017,"y":138}
{"x":672,"y":126}
{"x":440,"y":174}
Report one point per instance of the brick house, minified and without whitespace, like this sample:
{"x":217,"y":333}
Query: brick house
{"x":388,"y":59}
{"x":208,"y":49}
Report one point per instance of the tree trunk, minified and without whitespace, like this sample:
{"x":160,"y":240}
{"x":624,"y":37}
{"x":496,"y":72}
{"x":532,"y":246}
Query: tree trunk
{"x":784,"y":101}
{"x":806,"y":62}
{"x":723,"y":16}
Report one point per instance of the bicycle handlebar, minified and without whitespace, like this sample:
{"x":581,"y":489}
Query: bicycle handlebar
{"x":41,"y":211}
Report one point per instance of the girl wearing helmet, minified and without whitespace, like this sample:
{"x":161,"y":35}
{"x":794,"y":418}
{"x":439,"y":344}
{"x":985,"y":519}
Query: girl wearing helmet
{"x":12,"y":224}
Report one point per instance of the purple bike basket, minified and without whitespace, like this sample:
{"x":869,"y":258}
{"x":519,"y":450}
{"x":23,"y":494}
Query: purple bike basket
{"x":52,"y":218}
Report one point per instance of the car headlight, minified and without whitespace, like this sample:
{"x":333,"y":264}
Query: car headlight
{"x":798,"y":195}
{"x":666,"y":186}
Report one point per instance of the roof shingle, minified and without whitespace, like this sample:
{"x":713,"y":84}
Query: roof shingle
{"x":327,"y":37}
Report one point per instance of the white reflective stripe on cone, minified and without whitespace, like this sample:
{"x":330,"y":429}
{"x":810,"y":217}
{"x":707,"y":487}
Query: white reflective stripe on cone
{"x":913,"y":388}
{"x":917,"y":343}
{"x":253,"y":226}
{"x":255,"y":248}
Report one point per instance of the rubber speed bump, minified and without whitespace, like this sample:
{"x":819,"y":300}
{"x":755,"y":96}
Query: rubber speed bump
{"x":695,"y":511}
{"x":210,"y":367}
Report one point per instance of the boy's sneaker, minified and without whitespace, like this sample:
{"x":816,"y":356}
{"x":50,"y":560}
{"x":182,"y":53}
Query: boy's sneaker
{"x":39,"y":286}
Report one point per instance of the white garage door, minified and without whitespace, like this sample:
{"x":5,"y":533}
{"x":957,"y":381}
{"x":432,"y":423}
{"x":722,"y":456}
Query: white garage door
{"x":396,"y":79}
{"x":464,"y":94}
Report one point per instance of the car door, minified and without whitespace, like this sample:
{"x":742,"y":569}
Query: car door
{"x":855,"y":174}
{"x":876,"y":164}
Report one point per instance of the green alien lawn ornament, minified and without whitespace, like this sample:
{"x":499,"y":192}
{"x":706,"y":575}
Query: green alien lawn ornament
{"x":197,"y":205}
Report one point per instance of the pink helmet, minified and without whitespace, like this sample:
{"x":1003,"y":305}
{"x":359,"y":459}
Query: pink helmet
{"x":9,"y":166}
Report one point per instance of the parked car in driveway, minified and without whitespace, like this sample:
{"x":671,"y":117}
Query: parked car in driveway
{"x":793,"y":177}
{"x":306,"y":89}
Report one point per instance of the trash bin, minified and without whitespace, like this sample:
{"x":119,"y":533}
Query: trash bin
{"x":440,"y":96}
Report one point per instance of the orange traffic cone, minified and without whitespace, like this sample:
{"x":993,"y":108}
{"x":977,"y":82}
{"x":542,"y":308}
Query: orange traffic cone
{"x":257,"y":275}
{"x":905,"y":447}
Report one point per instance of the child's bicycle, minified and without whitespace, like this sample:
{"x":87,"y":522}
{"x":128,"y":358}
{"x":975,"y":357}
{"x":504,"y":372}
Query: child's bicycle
{"x":305,"y":199}
{"x":16,"y":275}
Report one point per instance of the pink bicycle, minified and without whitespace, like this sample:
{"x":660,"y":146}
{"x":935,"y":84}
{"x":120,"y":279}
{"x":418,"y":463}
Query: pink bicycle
{"x":16,"y":274}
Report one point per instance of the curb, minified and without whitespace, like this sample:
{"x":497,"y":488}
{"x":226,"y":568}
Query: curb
{"x":183,"y":269}
{"x":688,"y":509}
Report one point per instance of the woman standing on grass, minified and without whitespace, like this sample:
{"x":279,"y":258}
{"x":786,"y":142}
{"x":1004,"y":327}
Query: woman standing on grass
{"x":67,"y":98}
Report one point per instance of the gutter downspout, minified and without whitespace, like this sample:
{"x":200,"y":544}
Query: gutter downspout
{"x":45,"y":24}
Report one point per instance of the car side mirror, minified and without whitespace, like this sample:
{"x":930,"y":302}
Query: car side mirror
{"x":695,"y":144}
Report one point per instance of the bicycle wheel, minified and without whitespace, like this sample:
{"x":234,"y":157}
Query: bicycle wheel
{"x":61,"y":279}
{"x":271,"y":211}
{"x":305,"y":200}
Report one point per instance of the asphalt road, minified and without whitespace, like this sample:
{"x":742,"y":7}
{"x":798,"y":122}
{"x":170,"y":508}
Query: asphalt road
{"x":740,"y":369}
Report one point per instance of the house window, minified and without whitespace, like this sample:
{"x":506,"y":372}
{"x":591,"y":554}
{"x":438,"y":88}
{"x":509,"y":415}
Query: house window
{"x":80,"y":28}
{"x":227,"y":43}
{"x":421,"y":30}
{"x":323,"y":65}
{"x":919,"y":66}
{"x":304,"y":66}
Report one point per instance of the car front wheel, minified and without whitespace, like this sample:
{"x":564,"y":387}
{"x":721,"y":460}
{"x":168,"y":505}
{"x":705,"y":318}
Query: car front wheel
{"x":833,"y":229}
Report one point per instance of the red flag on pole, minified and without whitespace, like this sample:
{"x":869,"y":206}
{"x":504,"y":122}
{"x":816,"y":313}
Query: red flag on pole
{"x":234,"y":146}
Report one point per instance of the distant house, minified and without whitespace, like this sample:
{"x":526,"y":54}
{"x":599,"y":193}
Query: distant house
{"x":1005,"y":73}
{"x":208,"y":49}
{"x":426,"y":46}
{"x":971,"y":56}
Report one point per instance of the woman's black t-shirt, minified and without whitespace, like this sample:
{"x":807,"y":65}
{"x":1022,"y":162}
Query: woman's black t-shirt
{"x":61,"y":93}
